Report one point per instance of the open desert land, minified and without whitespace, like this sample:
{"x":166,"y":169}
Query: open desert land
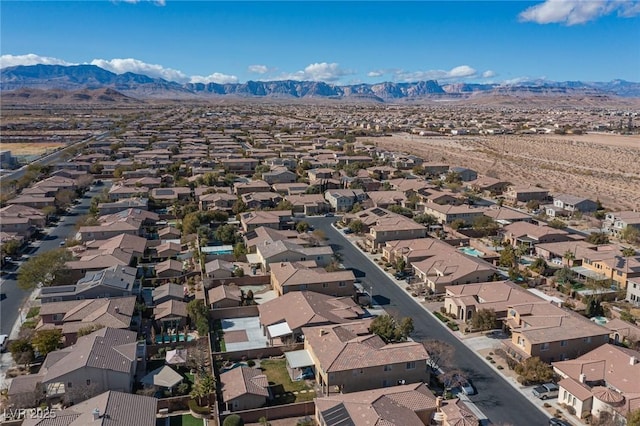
{"x":605,"y":167}
{"x":31,"y":148}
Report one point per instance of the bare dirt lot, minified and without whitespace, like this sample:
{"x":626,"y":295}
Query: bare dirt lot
{"x":598,"y":166}
{"x":34,"y":148}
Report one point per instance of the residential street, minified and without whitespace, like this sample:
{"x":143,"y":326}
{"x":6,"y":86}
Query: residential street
{"x":495,"y":396}
{"x":13,"y":297}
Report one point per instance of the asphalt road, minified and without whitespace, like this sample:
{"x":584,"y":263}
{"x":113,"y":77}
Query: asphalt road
{"x":52,"y":158}
{"x":12,"y":297}
{"x":495,"y":396}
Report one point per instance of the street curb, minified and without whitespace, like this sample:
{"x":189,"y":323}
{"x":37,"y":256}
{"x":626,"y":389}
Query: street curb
{"x":443,"y":325}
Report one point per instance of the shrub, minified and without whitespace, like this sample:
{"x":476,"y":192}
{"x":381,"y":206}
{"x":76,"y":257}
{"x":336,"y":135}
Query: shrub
{"x":546,"y":405}
{"x":233,"y":420}
{"x":499,"y":367}
{"x":488,"y":358}
{"x":453,"y":326}
{"x":193,"y":406}
{"x":571,"y":410}
{"x":251,"y":363}
{"x":443,"y":309}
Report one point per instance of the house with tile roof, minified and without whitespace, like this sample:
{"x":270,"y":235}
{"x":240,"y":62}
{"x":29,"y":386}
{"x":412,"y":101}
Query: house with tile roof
{"x":287,"y":251}
{"x":109,"y":408}
{"x":275,"y":219}
{"x":104,"y":360}
{"x":348,"y":358}
{"x":73,"y":315}
{"x":603,"y":380}
{"x":449,"y":268}
{"x":412,"y":404}
{"x":463,"y":301}
{"x":244,"y":388}
{"x":544,"y":330}
{"x":307,"y":309}
{"x":302,"y":276}
{"x":115,"y":281}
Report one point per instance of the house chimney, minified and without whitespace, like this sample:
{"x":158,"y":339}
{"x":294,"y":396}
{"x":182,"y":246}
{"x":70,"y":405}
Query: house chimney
{"x":583,"y":378}
{"x":438,"y":402}
{"x":96,"y":414}
{"x":323,"y":331}
{"x":117,"y":310}
{"x":633,"y":360}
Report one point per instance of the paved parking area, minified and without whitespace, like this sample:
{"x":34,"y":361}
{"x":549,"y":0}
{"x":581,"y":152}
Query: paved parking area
{"x":252,"y":337}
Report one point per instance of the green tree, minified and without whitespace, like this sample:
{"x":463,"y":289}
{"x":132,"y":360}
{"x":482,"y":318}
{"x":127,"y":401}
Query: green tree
{"x":485,"y":225}
{"x":390,"y":330}
{"x":598,"y":238}
{"x":440,"y":354}
{"x":357,"y":207}
{"x":484,"y":319}
{"x":239,"y":206}
{"x":239,"y":250}
{"x":357,"y":226}
{"x":534,"y":371}
{"x":226,"y":233}
{"x":284,"y":205}
{"x":10,"y":248}
{"x":22,"y":351}
{"x":507,"y":257}
{"x":425,"y":219}
{"x":401,"y":210}
{"x":539,"y":265}
{"x":457,"y":224}
{"x":630,"y":234}
{"x":557,"y":224}
{"x":190,"y":223}
{"x":45,"y":341}
{"x":302,"y":226}
{"x":45,"y":268}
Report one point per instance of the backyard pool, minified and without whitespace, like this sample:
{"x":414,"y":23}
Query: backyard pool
{"x":471,"y":251}
{"x":173,"y":337}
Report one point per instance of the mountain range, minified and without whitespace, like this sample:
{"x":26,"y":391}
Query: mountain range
{"x":91,"y":77}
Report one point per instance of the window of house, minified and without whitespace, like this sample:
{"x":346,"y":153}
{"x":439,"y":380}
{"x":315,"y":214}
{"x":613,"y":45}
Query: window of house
{"x":587,"y":339}
{"x":564,"y":343}
{"x":386,"y":383}
{"x":325,"y":285}
{"x":88,"y":382}
{"x":342,"y":284}
{"x":411,"y":365}
{"x":387,"y":368}
{"x":69,"y":385}
{"x":544,"y":347}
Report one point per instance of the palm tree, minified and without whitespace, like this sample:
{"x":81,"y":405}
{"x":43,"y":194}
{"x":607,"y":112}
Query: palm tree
{"x":627,"y":253}
{"x":569,"y":256}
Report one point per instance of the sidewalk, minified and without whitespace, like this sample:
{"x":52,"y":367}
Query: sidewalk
{"x":6,"y":360}
{"x":478,"y":343}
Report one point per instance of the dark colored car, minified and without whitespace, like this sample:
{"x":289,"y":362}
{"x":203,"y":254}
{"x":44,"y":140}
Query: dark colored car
{"x":557,"y":422}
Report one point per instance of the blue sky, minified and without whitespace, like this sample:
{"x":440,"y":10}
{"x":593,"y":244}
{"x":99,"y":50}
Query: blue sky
{"x":337,"y":42}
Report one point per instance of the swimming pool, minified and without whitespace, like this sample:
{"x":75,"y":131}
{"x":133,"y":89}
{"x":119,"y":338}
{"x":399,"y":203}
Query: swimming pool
{"x":173,"y":338}
{"x":471,"y":251}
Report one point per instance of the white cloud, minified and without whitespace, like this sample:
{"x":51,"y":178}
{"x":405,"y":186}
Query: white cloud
{"x":30,"y":59}
{"x":216,"y":77}
{"x":156,"y":2}
{"x":572,"y":12}
{"x":321,"y":71}
{"x":375,"y":74}
{"x":258,"y":69}
{"x":488,"y":74}
{"x":121,"y":66}
{"x":459,"y":72}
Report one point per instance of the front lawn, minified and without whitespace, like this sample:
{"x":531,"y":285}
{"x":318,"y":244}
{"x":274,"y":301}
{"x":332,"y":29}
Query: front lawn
{"x":281,"y":384}
{"x":185,"y":420}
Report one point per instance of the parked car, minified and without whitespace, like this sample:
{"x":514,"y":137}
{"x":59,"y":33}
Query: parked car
{"x":467,"y":389}
{"x":347,"y":231}
{"x":3,"y":342}
{"x":546,"y":391}
{"x":557,"y":422}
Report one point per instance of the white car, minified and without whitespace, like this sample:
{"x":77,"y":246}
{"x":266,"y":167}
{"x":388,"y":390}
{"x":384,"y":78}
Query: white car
{"x":467,"y":389}
{"x":3,"y":342}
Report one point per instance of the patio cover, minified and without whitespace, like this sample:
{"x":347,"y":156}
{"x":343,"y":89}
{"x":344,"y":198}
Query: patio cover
{"x":176,"y":356}
{"x":279,"y":330}
{"x":582,"y":271}
{"x":253,"y":259}
{"x":298,"y":359}
{"x":164,"y":376}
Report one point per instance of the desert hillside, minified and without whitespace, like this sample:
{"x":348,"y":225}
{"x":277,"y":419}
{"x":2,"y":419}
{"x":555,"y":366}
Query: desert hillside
{"x":594,"y":165}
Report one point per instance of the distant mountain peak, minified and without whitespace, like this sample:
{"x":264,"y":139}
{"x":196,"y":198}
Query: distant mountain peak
{"x":79,"y":77}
